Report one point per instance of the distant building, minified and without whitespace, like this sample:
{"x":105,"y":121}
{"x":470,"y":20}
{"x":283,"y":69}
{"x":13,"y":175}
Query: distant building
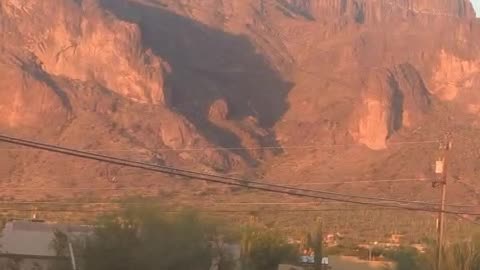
{"x":396,"y":238}
{"x":331,"y":240}
{"x":26,"y":245}
{"x":420,"y":247}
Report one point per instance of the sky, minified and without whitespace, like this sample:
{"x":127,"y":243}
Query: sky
{"x":476,"y":4}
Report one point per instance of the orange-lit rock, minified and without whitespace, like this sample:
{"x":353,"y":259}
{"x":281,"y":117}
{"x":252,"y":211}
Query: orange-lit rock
{"x":83,"y":42}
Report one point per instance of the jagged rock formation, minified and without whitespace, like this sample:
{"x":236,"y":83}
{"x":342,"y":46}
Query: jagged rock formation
{"x":220,"y":84}
{"x":218,"y":110}
{"x":64,"y":63}
{"x":453,"y":74}
{"x":81,"y":41}
{"x":392,"y":99}
{"x":30,"y":98}
{"x":374,"y":11}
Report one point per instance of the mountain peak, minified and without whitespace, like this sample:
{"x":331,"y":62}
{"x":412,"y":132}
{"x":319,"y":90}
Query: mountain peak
{"x":378,"y":10}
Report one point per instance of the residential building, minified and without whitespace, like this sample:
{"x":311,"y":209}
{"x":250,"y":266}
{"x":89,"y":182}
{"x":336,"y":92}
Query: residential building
{"x":27,"y":245}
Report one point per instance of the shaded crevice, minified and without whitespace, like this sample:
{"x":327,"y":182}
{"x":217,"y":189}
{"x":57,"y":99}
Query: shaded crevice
{"x":39,"y":74}
{"x":397,"y":107}
{"x":208,"y":64}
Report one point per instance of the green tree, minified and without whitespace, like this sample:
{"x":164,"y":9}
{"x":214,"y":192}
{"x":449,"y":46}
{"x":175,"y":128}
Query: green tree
{"x":462,"y":255}
{"x":406,"y":258}
{"x":265,"y":249}
{"x":147,"y":240}
{"x":59,"y":244}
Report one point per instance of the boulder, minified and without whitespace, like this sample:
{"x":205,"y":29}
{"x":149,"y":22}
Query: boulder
{"x":219,"y":110}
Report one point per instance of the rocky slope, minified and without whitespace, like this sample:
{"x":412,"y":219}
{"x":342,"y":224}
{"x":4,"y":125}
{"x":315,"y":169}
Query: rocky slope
{"x":74,"y":74}
{"x":306,"y":90}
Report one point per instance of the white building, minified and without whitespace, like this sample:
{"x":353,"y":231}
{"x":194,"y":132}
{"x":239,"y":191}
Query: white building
{"x":26,"y":245}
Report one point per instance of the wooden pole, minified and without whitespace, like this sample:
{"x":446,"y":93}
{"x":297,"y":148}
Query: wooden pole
{"x":441,"y":215}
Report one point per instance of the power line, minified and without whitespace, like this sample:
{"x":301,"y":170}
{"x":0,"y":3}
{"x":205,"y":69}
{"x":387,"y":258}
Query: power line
{"x":202,"y":176}
{"x":386,"y":204}
{"x":200,"y":210}
{"x":181,"y":172}
{"x":318,"y":146}
{"x":63,"y":150}
{"x":150,"y":203}
{"x":151,"y":187}
{"x":367,"y":181}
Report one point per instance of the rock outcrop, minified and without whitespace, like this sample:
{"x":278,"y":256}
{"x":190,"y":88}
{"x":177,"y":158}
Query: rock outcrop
{"x":219,"y":84}
{"x":66,"y":65}
{"x":79,"y":40}
{"x":372,"y":11}
{"x":451,"y":75}
{"x":391,"y":99}
{"x":219,"y":110}
{"x":30,"y":99}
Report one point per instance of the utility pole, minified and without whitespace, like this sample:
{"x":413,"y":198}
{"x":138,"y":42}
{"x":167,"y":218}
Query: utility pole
{"x":72,"y":255}
{"x":318,"y":247}
{"x":441,"y":171}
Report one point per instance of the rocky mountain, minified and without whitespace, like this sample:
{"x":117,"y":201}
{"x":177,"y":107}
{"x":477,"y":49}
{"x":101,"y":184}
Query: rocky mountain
{"x":299,"y":91}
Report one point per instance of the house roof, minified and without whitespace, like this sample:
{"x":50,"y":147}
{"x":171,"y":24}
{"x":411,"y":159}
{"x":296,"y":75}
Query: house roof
{"x":33,"y":238}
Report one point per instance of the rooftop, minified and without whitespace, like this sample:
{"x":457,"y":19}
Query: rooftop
{"x":31,"y":238}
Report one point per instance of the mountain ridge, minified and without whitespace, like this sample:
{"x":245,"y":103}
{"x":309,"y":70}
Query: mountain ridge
{"x":244,"y":80}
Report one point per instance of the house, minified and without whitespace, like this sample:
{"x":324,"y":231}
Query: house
{"x":28,"y":244}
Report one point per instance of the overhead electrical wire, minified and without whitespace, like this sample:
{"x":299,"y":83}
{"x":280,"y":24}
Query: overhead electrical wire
{"x":367,"y":181}
{"x":114,"y":160}
{"x":286,"y":147}
{"x":206,"y":177}
{"x":150,"y":188}
{"x":199,"y":210}
{"x":148,"y":202}
{"x":350,"y":181}
{"x":12,"y":202}
{"x":156,"y":187}
{"x":59,"y":149}
{"x":260,"y":183}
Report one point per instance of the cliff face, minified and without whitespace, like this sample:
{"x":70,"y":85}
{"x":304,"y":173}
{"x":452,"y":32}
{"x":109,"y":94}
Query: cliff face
{"x":368,"y":11}
{"x":81,"y":41}
{"x":241,"y":79}
{"x":30,"y":99}
{"x":71,"y":67}
{"x":454,"y":76}
{"x":392,"y":100}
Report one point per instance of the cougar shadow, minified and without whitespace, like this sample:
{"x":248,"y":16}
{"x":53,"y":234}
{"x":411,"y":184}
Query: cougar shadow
{"x":208,"y":64}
